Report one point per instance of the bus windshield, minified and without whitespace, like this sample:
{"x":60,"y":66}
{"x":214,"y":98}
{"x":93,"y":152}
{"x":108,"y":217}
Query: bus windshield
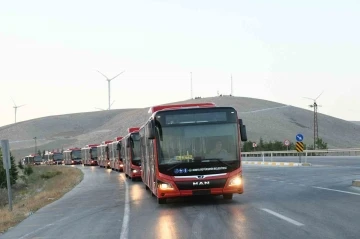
{"x":38,"y":158}
{"x":136,"y":151}
{"x":76,"y":154}
{"x":195,"y":143}
{"x":58,"y":157}
{"x":94,"y":153}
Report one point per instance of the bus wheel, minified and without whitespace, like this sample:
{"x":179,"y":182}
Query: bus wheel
{"x":161,"y":200}
{"x":228,"y":196}
{"x":133,"y":179}
{"x":146,"y":187}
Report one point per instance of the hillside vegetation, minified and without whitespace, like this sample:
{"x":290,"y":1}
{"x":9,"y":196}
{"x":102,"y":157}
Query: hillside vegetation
{"x":264,"y":119}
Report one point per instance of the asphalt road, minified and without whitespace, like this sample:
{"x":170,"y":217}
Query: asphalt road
{"x":345,"y":161}
{"x":279,"y":202}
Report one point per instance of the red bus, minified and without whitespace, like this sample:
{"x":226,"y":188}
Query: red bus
{"x":53,"y":158}
{"x":115,"y":159}
{"x":103,"y":154}
{"x":89,"y":155}
{"x":130,"y":152}
{"x":192,"y":149}
{"x":72,"y":156}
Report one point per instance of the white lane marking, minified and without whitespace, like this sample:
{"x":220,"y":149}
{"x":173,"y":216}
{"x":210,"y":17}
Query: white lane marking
{"x":126,"y":217}
{"x":329,"y":189}
{"x":283,"y":217}
{"x":37,"y":230}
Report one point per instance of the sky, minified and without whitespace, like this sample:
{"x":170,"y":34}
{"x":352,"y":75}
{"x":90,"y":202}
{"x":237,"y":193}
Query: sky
{"x":276,"y":50}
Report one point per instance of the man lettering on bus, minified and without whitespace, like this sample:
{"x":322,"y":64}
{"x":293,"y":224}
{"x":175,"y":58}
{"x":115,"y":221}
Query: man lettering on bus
{"x":218,"y":152}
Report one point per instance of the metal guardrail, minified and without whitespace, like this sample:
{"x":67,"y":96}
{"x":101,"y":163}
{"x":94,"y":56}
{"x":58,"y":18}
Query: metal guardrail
{"x":306,"y":153}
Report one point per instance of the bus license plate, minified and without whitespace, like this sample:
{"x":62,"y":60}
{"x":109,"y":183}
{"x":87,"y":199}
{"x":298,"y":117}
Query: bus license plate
{"x":201,"y":192}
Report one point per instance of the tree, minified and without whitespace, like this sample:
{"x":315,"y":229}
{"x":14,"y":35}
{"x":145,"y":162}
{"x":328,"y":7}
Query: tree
{"x":13,"y":171}
{"x":320,"y":144}
{"x":43,"y":154}
{"x":39,"y":152}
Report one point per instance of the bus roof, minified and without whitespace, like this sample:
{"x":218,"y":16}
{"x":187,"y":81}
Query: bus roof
{"x":92,"y":145}
{"x":180,"y":106}
{"x":107,"y":142}
{"x":133,"y":129}
{"x":118,"y":138}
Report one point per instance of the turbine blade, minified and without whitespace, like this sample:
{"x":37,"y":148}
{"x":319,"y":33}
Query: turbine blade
{"x":103,"y":75}
{"x":20,"y":106}
{"x":13,"y":101}
{"x":319,"y":95}
{"x":309,"y":98}
{"x":117,"y":75}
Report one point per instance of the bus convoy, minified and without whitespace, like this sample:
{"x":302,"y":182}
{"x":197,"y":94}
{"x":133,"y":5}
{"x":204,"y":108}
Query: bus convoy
{"x":181,"y":150}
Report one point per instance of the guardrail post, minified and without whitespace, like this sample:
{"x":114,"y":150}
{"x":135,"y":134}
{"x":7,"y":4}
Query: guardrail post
{"x":263,"y":156}
{"x":306,"y":156}
{"x":271,"y":156}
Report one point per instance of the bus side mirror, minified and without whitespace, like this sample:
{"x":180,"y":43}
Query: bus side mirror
{"x":118,"y":146}
{"x":128,"y":142}
{"x":151,"y":130}
{"x":243,"y":134}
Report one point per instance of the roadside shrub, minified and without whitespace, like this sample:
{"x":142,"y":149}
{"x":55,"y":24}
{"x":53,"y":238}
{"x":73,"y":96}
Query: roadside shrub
{"x":28,"y":170}
{"x":3,"y":197}
{"x":20,"y":166}
{"x":50,"y":174}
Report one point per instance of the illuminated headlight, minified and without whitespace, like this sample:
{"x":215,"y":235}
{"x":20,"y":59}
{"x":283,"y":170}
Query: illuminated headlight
{"x":72,"y":161}
{"x":121,"y":165}
{"x":134,"y":171}
{"x":235,"y":181}
{"x":108,"y":163}
{"x":165,"y":186}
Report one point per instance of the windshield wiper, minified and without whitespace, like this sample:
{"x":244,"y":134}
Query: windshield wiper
{"x":219,"y":160}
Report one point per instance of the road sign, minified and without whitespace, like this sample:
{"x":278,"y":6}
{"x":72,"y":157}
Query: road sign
{"x":254,"y":145}
{"x":299,"y":146}
{"x":5,"y":154}
{"x":287,"y":142}
{"x":299,"y":137}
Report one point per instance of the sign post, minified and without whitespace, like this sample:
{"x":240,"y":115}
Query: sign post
{"x":287,"y":143}
{"x":299,"y":145}
{"x":5,"y":149}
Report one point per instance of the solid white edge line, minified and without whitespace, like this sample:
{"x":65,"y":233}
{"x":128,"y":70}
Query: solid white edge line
{"x":329,"y":189}
{"x":126,"y":217}
{"x":282,"y":217}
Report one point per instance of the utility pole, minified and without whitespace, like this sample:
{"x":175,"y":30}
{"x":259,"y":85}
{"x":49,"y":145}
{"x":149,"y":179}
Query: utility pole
{"x":316,"y":125}
{"x":35,"y":145}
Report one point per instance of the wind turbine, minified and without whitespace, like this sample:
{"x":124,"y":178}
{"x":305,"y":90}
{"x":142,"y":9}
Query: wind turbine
{"x":316,"y":126}
{"x":16,"y":107}
{"x":109,"y":80}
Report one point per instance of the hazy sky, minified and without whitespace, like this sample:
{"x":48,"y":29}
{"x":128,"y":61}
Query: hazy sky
{"x":275,"y":50}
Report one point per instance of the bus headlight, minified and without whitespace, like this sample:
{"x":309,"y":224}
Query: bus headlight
{"x":164,"y":186}
{"x":121,"y":165}
{"x":134,"y":171}
{"x":235,"y":181}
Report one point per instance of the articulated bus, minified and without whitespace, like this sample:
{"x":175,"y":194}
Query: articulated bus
{"x":115,"y":157}
{"x":53,"y":158}
{"x":192,"y":149}
{"x":72,"y":156}
{"x":89,"y":155}
{"x":130,"y":152}
{"x":103,"y":154}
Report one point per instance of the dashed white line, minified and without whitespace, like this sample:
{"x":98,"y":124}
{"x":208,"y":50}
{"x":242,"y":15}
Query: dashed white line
{"x":126,"y":217}
{"x":282,"y":217}
{"x":340,"y":191}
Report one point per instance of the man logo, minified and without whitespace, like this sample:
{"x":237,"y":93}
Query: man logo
{"x":200,"y":176}
{"x":202,"y":183}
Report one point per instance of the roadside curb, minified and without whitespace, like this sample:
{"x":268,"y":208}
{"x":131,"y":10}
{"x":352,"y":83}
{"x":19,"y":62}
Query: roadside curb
{"x":356,"y":183}
{"x":290,"y":164}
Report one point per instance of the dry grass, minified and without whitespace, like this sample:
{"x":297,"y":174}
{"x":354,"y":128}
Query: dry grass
{"x":46,"y":184}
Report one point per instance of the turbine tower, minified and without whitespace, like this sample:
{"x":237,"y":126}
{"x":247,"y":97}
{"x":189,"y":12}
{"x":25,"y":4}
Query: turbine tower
{"x":102,"y":108}
{"x":16,"y":107}
{"x":109,"y":80}
{"x":316,"y":126}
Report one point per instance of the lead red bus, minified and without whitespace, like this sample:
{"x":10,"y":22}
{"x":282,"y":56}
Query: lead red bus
{"x":72,"y":156}
{"x":115,"y":157}
{"x":130,"y":152}
{"x":192,"y":149}
{"x":89,"y":155}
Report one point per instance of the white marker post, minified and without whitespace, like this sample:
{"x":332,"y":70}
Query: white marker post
{"x":5,"y":149}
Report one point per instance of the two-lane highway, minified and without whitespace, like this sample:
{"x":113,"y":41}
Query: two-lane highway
{"x":294,"y":202}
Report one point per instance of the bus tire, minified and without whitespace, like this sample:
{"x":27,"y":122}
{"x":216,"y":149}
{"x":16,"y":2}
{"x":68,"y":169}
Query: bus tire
{"x":133,"y":179}
{"x":228,"y":196}
{"x":146,"y":187}
{"x":161,"y":200}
